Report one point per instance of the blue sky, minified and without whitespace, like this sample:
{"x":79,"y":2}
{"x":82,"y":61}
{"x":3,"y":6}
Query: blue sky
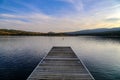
{"x":59,"y":15}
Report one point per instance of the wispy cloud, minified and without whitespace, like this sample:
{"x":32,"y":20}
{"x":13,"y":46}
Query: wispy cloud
{"x":77,"y":4}
{"x":24,"y":7}
{"x":113,"y":19}
{"x":44,"y":23}
{"x":37,"y":21}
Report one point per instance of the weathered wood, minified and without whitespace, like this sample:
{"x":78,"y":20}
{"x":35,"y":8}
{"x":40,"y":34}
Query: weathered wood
{"x":60,"y":63}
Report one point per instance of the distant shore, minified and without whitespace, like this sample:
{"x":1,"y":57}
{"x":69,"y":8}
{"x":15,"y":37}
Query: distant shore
{"x":11,"y":32}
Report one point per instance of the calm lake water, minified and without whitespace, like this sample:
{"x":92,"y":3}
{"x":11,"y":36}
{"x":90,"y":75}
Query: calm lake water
{"x":20,"y":55}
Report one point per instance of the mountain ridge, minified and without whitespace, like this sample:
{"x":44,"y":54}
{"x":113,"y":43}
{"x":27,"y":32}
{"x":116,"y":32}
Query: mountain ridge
{"x":98,"y":32}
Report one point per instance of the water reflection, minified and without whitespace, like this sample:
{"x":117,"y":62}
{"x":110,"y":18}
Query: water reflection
{"x":19,"y":55}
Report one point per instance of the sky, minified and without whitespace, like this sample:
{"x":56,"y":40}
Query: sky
{"x":59,"y":15}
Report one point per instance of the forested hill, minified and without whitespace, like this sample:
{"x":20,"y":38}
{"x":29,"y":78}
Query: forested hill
{"x":11,"y":32}
{"x":16,"y":32}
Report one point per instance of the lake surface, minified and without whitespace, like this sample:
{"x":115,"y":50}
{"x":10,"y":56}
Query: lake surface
{"x":20,"y":55}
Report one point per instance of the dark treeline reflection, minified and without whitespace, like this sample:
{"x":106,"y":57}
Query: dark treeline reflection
{"x":113,"y":39}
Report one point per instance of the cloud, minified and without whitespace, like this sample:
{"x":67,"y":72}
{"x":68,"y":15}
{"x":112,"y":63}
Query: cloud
{"x":37,"y":21}
{"x":44,"y":23}
{"x":30,"y":17}
{"x":77,"y":4}
{"x":113,"y":19}
{"x":18,"y":6}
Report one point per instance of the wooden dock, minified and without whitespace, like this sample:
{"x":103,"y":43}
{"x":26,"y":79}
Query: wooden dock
{"x":61,"y":63}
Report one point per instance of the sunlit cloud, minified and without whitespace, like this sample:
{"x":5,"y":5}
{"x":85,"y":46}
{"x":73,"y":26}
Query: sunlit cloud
{"x":113,"y":19}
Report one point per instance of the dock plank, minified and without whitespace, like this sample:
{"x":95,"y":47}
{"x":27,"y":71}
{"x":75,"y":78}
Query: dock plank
{"x":61,"y":63}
